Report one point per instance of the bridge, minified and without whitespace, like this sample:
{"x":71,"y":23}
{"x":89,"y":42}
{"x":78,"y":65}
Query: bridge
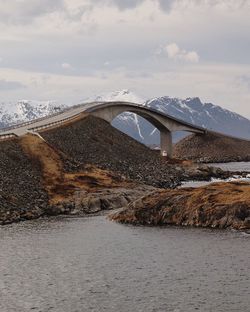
{"x":166,"y":124}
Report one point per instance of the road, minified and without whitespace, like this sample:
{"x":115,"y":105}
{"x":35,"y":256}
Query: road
{"x":68,"y":114}
{"x":74,"y":111}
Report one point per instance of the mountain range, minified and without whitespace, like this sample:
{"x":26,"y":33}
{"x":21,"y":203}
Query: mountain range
{"x":192,"y":110}
{"x":22,"y":111}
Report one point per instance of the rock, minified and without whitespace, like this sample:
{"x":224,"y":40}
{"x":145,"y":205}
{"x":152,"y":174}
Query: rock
{"x":108,"y":168}
{"x":218,"y":205}
{"x":212,"y":148}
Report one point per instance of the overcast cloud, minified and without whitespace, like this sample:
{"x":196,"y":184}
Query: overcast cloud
{"x":68,"y":50}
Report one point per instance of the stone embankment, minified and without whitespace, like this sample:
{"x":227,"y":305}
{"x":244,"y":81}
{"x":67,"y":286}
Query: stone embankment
{"x":94,"y":141}
{"x":221,"y":205}
{"x":212,"y":148}
{"x":81,"y":168}
{"x":34,"y":183}
{"x":22,"y":195}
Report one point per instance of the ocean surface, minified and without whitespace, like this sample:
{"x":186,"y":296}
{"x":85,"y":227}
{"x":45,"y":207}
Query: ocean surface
{"x":91,"y":264}
{"x":234,"y":166}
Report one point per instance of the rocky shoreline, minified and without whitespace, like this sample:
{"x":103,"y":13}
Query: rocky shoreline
{"x":213,"y":148}
{"x":84,"y":168}
{"x":219,"y":205}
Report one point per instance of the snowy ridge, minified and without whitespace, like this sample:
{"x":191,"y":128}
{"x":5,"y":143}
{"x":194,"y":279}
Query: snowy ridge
{"x":124,"y":95}
{"x":191,"y":110}
{"x":22,"y":111}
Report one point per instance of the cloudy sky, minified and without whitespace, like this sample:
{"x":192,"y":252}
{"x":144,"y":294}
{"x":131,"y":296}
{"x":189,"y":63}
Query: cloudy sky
{"x":68,"y":50}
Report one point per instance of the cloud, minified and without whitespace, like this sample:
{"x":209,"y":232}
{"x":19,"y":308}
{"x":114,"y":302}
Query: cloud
{"x":23,"y":11}
{"x":243,"y":80}
{"x":121,"y":4}
{"x":166,"y":5}
{"x":83,"y":41}
{"x":66,"y":66}
{"x":10,"y":85}
{"x":174,"y":52}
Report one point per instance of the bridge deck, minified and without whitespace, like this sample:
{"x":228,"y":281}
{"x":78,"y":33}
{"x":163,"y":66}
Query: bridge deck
{"x":74,"y":111}
{"x":149,"y":109}
{"x":22,"y":129}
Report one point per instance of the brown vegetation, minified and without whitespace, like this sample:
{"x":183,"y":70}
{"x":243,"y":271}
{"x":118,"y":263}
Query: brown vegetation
{"x":94,"y":141}
{"x":60,"y":185}
{"x":219,"y":205}
{"x":86,"y":166}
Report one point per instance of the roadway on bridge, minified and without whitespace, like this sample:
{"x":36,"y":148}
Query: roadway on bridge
{"x":22,"y":130}
{"x":73,"y":112}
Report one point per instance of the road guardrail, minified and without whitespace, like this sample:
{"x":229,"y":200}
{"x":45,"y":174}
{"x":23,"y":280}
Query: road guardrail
{"x":7,"y":136}
{"x":54,"y":123}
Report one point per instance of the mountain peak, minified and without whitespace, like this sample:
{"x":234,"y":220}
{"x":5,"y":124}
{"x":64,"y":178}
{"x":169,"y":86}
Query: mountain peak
{"x":26,"y":110}
{"x":122,"y":95}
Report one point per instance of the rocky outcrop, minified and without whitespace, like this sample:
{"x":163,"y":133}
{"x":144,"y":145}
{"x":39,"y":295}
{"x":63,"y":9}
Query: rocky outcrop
{"x":22,"y":195}
{"x":221,"y":205}
{"x":94,"y":141}
{"x":85,"y":203}
{"x":212,"y":148}
{"x":81,"y":168}
{"x":35,"y":183}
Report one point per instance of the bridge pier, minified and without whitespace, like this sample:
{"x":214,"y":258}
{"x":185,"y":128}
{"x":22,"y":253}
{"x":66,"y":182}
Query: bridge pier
{"x":166,"y":143}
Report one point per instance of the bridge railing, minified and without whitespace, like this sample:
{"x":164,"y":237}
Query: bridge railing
{"x":7,"y":136}
{"x":30,"y":122}
{"x":54,"y":123}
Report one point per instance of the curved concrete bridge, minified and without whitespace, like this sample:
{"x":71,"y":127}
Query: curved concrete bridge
{"x":166,"y":124}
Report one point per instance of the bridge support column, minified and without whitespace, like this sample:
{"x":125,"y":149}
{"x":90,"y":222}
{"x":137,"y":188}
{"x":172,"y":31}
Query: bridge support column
{"x":166,"y":143}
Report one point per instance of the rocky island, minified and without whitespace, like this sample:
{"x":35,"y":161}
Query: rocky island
{"x":86,"y":166}
{"x":218,"y":205}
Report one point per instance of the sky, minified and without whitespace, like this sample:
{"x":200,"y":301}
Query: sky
{"x":69,"y":50}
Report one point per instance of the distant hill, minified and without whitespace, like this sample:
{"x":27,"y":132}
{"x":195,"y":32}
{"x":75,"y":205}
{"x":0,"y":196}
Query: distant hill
{"x":212,"y":148}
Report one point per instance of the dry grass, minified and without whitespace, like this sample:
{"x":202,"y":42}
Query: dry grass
{"x":217,"y":205}
{"x":62,"y":186}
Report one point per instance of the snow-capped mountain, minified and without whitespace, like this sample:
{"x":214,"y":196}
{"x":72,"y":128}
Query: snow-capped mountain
{"x":124,"y":95}
{"x":191,"y":110}
{"x":22,"y":111}
{"x":206,"y":115}
{"x":126,"y":122}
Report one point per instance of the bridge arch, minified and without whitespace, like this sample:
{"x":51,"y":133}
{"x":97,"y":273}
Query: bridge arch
{"x":164,"y":123}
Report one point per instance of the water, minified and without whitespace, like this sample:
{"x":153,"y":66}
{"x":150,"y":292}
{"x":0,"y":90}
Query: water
{"x":92,"y":264}
{"x":233,"y":166}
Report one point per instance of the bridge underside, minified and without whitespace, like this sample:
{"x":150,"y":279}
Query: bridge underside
{"x":165,"y":124}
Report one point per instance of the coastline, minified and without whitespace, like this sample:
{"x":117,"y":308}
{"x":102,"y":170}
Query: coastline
{"x":105,"y":170}
{"x":217,"y":205}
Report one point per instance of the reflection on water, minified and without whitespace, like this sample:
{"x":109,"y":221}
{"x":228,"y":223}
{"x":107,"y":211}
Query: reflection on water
{"x":91,"y":264}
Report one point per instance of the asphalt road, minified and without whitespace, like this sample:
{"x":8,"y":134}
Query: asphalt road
{"x":23,"y":129}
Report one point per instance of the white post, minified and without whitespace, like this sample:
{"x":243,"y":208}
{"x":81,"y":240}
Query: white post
{"x":166,"y":143}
